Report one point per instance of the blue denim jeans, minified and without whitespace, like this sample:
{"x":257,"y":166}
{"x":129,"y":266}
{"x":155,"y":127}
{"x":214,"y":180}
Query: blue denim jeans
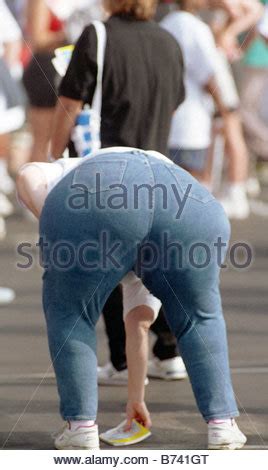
{"x":119,"y":212}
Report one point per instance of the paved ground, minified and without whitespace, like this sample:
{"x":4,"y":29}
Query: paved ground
{"x":29,"y":406}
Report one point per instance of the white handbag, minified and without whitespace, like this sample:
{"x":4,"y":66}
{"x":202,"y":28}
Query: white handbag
{"x":86,"y":133}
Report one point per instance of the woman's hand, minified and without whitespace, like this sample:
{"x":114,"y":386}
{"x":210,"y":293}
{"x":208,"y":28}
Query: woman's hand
{"x":139,"y":412}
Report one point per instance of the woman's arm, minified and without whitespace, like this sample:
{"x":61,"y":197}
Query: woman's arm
{"x":12,"y":52}
{"x":137,"y":324}
{"x":227,"y":32}
{"x":233,"y":7}
{"x":250,"y":13}
{"x":140,"y":311}
{"x":77,"y":87}
{"x":65,"y":115}
{"x":38,"y":22}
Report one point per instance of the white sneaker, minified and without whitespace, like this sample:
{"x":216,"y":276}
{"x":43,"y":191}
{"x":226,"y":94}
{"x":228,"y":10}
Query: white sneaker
{"x":81,"y":439}
{"x":236,"y":204}
{"x":6,"y":208}
{"x":6,"y":296}
{"x":7,"y":185}
{"x":225,"y":436}
{"x":170,"y":369}
{"x":253,"y":187}
{"x":3,"y":231}
{"x":108,"y":375}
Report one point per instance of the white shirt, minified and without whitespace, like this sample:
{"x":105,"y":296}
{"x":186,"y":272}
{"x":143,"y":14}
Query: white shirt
{"x":191,"y":126}
{"x":56,"y":171}
{"x":9,"y":29}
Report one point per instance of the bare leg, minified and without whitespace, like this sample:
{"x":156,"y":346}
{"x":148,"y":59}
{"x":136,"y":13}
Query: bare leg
{"x":4,"y":146}
{"x":251,"y":98}
{"x":137,"y":323}
{"x":41,"y":123}
{"x":6,"y":182}
{"x":235,"y":201}
{"x":236,"y":149}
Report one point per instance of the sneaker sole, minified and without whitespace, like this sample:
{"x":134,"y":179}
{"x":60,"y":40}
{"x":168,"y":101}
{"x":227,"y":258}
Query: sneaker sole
{"x":76,"y":448}
{"x":116,"y":383}
{"x":9,"y":301}
{"x":233,"y":446}
{"x":169,"y":378}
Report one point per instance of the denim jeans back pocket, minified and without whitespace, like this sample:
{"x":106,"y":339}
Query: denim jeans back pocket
{"x":98,"y":176}
{"x":189,"y":185}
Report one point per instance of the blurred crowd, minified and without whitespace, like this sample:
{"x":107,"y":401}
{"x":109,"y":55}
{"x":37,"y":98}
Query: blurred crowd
{"x":220,"y":132}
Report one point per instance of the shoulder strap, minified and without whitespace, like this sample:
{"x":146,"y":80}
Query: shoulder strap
{"x":101,"y":48}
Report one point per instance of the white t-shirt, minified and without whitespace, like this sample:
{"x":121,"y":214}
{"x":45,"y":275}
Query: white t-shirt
{"x":56,"y":171}
{"x":191,"y":126}
{"x":9,"y":29}
{"x":134,"y":292}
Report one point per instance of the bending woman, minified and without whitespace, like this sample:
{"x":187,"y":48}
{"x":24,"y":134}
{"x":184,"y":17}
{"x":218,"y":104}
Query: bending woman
{"x":137,"y":206}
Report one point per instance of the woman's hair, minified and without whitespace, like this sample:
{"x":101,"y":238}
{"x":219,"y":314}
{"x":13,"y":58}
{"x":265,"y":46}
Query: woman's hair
{"x":140,"y":9}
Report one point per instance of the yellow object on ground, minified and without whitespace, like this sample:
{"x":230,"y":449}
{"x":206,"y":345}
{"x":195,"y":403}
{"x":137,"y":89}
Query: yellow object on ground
{"x":118,"y":437}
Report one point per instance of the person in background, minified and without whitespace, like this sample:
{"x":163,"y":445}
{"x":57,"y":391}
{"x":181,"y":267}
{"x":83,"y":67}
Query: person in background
{"x":228,"y":27}
{"x":254,"y":98}
{"x":190,"y":136}
{"x":233,"y":7}
{"x":11,"y":116}
{"x":44,"y":33}
{"x":143,"y":82}
{"x":227,"y":31}
{"x":190,"y":144}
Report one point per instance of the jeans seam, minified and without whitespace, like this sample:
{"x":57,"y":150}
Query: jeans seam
{"x":152,"y":214}
{"x":153,"y":209}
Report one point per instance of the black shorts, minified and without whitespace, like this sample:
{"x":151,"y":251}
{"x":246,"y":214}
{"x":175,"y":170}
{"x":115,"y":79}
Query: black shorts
{"x":41,"y":81}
